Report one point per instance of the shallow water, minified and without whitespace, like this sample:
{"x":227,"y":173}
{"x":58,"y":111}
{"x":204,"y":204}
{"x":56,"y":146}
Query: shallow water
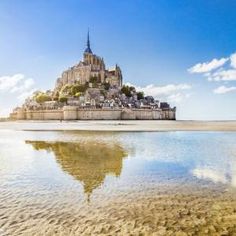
{"x":83,"y":183}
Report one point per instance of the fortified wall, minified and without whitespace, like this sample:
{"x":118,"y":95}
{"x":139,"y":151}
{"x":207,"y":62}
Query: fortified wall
{"x":75,"y":113}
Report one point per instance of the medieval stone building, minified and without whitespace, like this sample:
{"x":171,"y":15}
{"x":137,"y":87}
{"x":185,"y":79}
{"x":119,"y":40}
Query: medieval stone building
{"x":92,"y":66}
{"x":90,"y":91}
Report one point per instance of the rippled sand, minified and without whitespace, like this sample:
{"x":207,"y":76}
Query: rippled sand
{"x":165,"y":212}
{"x":112,"y":183}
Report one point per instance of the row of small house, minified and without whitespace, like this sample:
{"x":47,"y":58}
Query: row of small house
{"x":103,"y":104}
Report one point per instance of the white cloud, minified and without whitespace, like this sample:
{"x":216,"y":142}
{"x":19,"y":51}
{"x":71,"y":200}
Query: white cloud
{"x":161,"y":90}
{"x":9,"y":82}
{"x":217,"y":69}
{"x":233,"y":60}
{"x":15,"y":83}
{"x":223,"y":75}
{"x":178,"y":97}
{"x":25,"y":85}
{"x":13,"y":91}
{"x":208,"y":66}
{"x":213,"y":175}
{"x":170,"y":93}
{"x":223,"y":90}
{"x":22,"y":96}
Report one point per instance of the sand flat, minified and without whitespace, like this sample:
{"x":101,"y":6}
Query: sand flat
{"x":195,"y":213}
{"x":121,"y":125}
{"x":117,"y":183}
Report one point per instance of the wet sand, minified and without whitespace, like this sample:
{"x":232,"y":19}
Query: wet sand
{"x":172,"y":211}
{"x":95,"y":183}
{"x":131,"y":125}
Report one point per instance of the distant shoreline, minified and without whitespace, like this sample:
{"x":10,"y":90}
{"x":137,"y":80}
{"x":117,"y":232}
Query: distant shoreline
{"x":120,"y":125}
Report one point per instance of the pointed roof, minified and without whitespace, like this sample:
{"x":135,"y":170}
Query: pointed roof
{"x":88,"y":49}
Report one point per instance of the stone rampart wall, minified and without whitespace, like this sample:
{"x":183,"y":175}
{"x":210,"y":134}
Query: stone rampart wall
{"x":73,"y":113}
{"x":44,"y":115}
{"x":99,"y":114}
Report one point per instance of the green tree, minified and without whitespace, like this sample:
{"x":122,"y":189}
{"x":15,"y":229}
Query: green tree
{"x":106,"y":86}
{"x":140,"y":95}
{"x":83,"y":88}
{"x":93,"y":79}
{"x":72,"y":89}
{"x":42,"y":97}
{"x":66,"y":89}
{"x":132,"y":89}
{"x":126,"y":90}
{"x":75,"y":89}
{"x":63,"y":99}
{"x":56,"y":96}
{"x":78,"y":94}
{"x":79,"y":88}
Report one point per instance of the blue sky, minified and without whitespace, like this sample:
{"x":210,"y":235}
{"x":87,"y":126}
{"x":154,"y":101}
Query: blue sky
{"x":156,"y":43}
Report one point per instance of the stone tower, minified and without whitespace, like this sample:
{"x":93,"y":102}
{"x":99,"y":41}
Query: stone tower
{"x":92,"y":66}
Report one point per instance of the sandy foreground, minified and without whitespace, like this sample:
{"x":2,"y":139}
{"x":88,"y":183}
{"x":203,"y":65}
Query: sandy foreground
{"x":174,"y":208}
{"x":118,"y":125}
{"x":169,"y":212}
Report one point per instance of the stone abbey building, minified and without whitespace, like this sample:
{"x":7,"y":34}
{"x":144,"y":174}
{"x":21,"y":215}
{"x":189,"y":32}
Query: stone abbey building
{"x":90,"y":91}
{"x":92,"y":66}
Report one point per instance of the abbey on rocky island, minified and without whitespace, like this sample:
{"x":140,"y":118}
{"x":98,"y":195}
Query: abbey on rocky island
{"x":92,"y":66}
{"x":91,"y":91}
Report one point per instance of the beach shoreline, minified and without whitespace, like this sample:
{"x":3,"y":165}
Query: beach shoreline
{"x":120,"y":125}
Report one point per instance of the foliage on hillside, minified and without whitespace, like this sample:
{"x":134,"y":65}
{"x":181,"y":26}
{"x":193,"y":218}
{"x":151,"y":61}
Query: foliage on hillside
{"x":130,"y":90}
{"x":42,"y":97}
{"x":76,"y":90}
{"x":62,"y":99}
{"x":140,"y":95}
{"x":73,"y":89}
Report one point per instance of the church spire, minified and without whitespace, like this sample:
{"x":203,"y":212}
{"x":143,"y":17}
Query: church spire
{"x":88,"y":40}
{"x":88,"y":49}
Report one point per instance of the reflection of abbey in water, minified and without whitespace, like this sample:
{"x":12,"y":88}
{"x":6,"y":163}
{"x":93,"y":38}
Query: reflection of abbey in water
{"x":87,"y":162}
